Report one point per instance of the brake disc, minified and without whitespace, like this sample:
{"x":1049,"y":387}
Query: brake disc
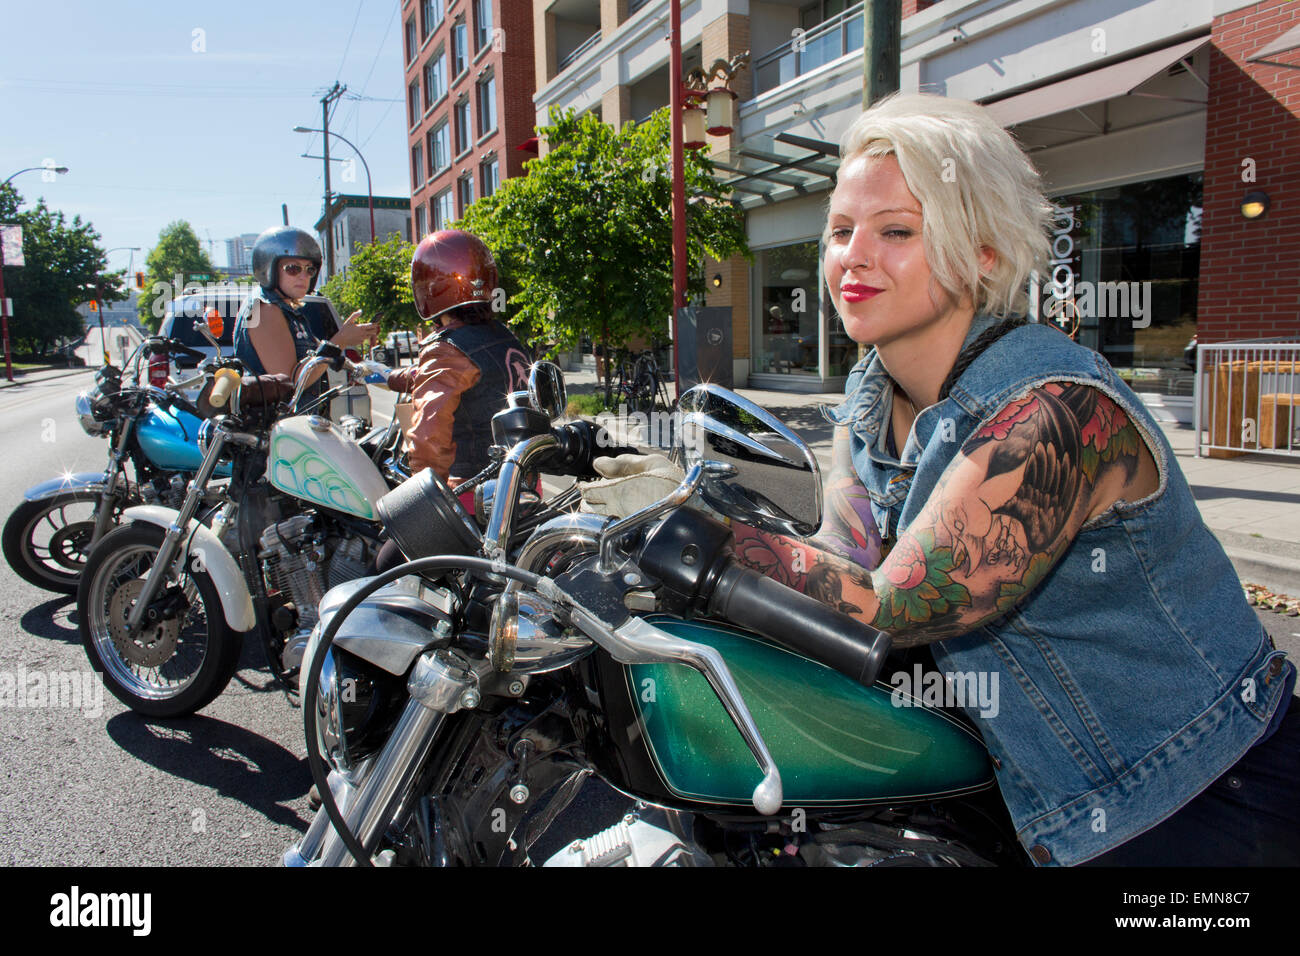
{"x":154,"y":645}
{"x":69,"y":544}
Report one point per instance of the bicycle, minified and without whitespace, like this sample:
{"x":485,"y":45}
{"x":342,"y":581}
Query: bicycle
{"x":639,"y":384}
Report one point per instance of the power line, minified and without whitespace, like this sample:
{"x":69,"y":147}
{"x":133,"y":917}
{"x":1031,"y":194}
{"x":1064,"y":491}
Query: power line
{"x":348,"y":45}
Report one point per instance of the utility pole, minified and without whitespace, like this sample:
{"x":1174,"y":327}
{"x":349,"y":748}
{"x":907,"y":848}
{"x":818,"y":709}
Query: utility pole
{"x":882,"y":30}
{"x":334,"y":93}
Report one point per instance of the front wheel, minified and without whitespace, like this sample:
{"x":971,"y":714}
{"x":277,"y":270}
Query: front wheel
{"x":185,"y":652}
{"x":46,"y":542}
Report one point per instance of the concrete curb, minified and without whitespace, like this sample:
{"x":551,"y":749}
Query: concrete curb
{"x":25,"y":380}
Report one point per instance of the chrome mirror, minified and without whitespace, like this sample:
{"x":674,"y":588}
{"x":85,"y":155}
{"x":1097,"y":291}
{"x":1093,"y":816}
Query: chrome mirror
{"x":546,"y":391}
{"x":773,"y":482}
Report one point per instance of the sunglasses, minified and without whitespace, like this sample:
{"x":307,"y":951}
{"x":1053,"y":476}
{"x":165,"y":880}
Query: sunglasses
{"x":293,"y":268}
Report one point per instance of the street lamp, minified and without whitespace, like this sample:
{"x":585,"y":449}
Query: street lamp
{"x":369,"y":191}
{"x":4,"y":307}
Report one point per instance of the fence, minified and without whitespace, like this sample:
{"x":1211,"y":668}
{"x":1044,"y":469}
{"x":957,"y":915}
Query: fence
{"x":1247,"y":398}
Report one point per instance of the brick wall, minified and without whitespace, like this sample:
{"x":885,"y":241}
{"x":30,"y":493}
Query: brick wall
{"x":1250,"y":270}
{"x":916,"y":6}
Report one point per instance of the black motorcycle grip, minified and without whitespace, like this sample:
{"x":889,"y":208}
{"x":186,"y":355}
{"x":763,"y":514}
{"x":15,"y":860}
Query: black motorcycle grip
{"x":801,"y":623}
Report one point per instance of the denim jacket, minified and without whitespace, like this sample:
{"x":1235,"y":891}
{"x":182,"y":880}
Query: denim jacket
{"x":1135,"y":673}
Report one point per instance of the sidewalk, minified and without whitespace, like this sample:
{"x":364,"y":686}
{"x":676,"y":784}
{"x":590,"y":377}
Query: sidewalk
{"x":1251,"y":504}
{"x":41,"y":375}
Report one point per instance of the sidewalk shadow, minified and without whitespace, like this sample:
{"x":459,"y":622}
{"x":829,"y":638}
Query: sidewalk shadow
{"x":56,"y":619}
{"x":1204,"y":492}
{"x":230,"y":760}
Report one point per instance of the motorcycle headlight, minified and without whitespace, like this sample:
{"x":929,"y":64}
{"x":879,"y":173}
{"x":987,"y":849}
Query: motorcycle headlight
{"x":91,"y":415}
{"x":206,"y":431}
{"x":355,"y":706}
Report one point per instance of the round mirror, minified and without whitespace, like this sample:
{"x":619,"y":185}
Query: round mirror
{"x":546,"y":391}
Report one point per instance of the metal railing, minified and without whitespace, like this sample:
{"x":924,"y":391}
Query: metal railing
{"x":809,"y":49}
{"x":1247,"y":398}
{"x":577,"y":54}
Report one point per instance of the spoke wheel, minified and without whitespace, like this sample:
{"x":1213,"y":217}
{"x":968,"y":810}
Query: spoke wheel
{"x":47,"y":542}
{"x":183,"y":655}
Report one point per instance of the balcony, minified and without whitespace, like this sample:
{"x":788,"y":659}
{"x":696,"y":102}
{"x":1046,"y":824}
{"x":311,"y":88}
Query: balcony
{"x":828,"y":41}
{"x":578,"y":52}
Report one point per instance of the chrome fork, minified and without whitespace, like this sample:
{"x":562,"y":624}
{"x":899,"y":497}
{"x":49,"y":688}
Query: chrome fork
{"x":441,"y":683}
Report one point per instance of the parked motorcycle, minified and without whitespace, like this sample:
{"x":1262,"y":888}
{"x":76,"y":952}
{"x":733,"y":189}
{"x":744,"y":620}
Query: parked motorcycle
{"x":167,"y":598}
{"x":153,"y":430}
{"x":455,"y":705}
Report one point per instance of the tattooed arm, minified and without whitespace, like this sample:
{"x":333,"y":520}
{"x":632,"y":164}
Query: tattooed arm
{"x":999,"y":518}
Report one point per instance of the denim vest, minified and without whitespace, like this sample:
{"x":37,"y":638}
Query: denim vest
{"x":306,"y":333}
{"x":1135,"y":673}
{"x":503,"y":366}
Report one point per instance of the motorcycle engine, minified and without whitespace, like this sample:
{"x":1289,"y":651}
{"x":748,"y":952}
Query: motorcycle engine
{"x":300,"y":562}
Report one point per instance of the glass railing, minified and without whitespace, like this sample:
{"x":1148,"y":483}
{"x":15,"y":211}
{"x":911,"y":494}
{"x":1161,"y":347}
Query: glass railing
{"x":809,"y":49}
{"x":577,"y":54}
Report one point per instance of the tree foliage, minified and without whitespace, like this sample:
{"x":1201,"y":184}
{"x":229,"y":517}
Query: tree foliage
{"x":175,"y":261}
{"x":64,"y":268}
{"x":584,"y":239}
{"x":378,"y":282}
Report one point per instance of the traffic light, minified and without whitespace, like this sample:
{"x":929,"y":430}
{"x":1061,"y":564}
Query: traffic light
{"x":94,"y":306}
{"x":139,"y":280}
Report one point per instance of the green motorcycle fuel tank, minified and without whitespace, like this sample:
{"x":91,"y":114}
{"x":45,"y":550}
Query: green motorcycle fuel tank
{"x":835,"y":742}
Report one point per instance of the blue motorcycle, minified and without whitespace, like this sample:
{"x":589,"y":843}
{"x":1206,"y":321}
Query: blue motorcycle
{"x":153,"y":429}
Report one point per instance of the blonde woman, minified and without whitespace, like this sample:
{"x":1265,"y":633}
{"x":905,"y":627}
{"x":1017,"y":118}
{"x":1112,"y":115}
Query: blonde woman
{"x":1034,"y":522}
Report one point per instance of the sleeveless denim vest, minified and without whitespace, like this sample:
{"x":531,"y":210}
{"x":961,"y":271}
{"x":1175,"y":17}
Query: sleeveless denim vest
{"x":503,"y":365}
{"x":306,"y":332}
{"x":1135,"y":673}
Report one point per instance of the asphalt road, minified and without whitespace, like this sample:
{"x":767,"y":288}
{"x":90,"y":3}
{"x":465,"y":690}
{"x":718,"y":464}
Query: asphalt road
{"x":96,"y":784}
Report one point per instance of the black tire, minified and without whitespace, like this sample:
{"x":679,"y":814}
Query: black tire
{"x":55,"y":564}
{"x":120,"y":560}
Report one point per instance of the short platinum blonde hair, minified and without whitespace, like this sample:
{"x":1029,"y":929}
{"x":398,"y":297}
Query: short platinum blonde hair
{"x":976,"y":187}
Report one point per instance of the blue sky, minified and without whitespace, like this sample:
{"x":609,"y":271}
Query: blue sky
{"x":157,"y":122}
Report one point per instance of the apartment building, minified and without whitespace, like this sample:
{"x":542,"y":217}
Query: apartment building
{"x":469,"y":110}
{"x":346,"y":225}
{"x":1149,"y":119}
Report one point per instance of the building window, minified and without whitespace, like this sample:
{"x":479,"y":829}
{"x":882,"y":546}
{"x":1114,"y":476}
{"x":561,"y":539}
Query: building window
{"x":439,"y":149}
{"x":487,"y":104}
{"x":444,"y":210}
{"x":465,"y":189}
{"x":459,"y":48}
{"x":411,"y":45}
{"x":489,"y":176}
{"x":435,"y":78}
{"x":417,"y":166}
{"x":788,"y":329}
{"x":482,"y":23}
{"x":421,"y":220}
{"x":462,"y":125}
{"x":430,"y":16}
{"x":413,"y":102}
{"x":1126,"y":263}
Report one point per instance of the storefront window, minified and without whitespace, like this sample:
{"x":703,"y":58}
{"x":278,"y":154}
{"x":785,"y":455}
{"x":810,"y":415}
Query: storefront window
{"x":1123,"y":277}
{"x":788,"y":310}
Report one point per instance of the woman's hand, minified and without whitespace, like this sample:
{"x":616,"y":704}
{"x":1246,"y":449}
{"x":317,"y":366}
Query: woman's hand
{"x":355,"y":332}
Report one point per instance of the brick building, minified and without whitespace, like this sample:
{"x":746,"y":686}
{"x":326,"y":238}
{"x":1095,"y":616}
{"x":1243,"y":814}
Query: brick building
{"x":1139,"y":113}
{"x":469,"y":90}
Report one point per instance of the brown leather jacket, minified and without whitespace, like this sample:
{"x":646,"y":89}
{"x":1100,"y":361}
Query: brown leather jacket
{"x":441,"y":374}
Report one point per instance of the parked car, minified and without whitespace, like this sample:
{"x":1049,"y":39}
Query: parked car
{"x":397,"y":346}
{"x":182,"y":319}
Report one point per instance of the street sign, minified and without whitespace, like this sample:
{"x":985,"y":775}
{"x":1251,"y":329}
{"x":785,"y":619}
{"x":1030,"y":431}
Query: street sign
{"x":12,"y":239}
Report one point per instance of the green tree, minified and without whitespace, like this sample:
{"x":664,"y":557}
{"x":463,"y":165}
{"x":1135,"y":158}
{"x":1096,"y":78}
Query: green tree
{"x":584,"y":239}
{"x":176,"y":260}
{"x":378,"y":282}
{"x":64,"y":267}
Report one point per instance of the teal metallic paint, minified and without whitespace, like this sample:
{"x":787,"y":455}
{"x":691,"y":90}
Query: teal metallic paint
{"x":170,"y":438}
{"x":833,"y":741}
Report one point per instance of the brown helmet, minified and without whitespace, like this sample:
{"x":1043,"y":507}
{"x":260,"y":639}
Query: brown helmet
{"x":451,"y":268}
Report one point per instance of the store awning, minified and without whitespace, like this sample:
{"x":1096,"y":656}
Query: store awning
{"x":1103,"y":83}
{"x":1284,"y":44}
